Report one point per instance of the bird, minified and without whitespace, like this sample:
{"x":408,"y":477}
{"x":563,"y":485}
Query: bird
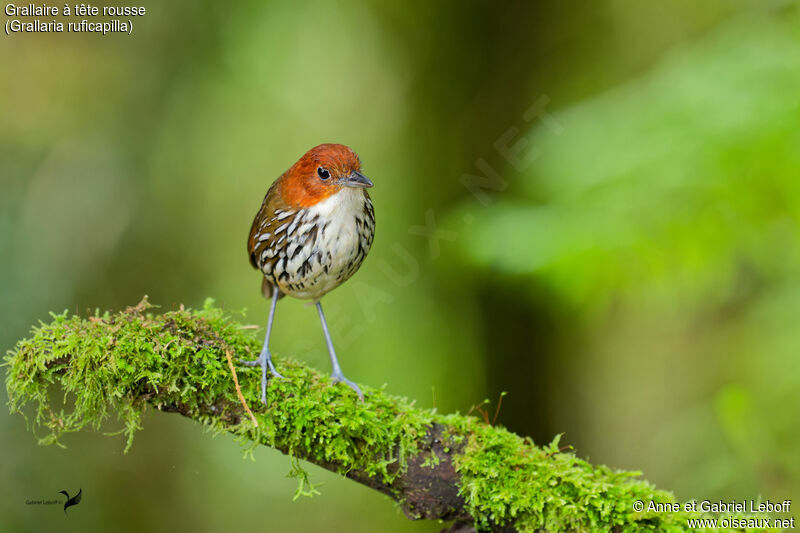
{"x":311,"y":234}
{"x":75,"y":500}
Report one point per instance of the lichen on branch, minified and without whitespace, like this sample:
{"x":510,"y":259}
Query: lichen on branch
{"x":449,"y":467}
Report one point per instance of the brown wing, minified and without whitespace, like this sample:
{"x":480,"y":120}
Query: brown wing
{"x":266,"y":220}
{"x":255,"y":227}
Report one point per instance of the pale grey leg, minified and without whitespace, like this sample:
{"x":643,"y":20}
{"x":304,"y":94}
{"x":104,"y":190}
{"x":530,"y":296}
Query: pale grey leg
{"x":265,"y":358}
{"x":337,"y":370}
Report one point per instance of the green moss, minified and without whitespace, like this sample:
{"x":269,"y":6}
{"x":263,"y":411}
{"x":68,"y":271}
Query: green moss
{"x":117,"y":364}
{"x":507,"y":480}
{"x":112,"y":364}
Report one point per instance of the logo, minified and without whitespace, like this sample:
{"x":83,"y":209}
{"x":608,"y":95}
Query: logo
{"x":75,"y":500}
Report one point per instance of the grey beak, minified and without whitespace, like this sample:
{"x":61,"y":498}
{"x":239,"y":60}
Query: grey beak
{"x":357,"y":179}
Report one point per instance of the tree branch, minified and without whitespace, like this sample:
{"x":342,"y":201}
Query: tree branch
{"x":448,"y":467}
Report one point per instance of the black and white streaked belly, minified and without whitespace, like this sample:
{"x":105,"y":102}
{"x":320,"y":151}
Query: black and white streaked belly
{"x":307,"y":253}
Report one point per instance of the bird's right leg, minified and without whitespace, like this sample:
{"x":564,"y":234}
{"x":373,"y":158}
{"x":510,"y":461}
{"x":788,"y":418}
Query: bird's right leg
{"x":265,"y":359}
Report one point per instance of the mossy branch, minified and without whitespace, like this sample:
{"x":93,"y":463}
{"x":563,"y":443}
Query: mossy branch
{"x":448,"y":467}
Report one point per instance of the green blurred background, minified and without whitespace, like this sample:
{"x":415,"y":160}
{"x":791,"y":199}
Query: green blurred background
{"x":634,"y":282}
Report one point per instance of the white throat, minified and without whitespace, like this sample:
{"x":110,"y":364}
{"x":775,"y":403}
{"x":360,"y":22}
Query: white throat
{"x":347,"y":201}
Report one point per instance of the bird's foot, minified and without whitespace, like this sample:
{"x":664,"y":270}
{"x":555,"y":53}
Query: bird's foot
{"x":265,"y":362}
{"x":340,"y":378}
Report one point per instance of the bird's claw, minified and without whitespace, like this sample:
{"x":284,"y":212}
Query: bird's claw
{"x":337,"y":378}
{"x":260,"y":362}
{"x":274,"y":370}
{"x":265,"y":362}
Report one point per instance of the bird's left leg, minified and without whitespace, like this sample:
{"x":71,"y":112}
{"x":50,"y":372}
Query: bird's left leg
{"x":265,"y":358}
{"x":337,"y":370}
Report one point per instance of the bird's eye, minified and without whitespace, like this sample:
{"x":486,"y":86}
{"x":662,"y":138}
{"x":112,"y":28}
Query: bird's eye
{"x":323,"y":173}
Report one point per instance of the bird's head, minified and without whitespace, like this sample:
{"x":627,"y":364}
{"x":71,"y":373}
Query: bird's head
{"x":322,"y":172}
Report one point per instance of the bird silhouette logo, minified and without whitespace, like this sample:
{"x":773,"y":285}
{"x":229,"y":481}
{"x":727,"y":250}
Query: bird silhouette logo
{"x":75,"y":500}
